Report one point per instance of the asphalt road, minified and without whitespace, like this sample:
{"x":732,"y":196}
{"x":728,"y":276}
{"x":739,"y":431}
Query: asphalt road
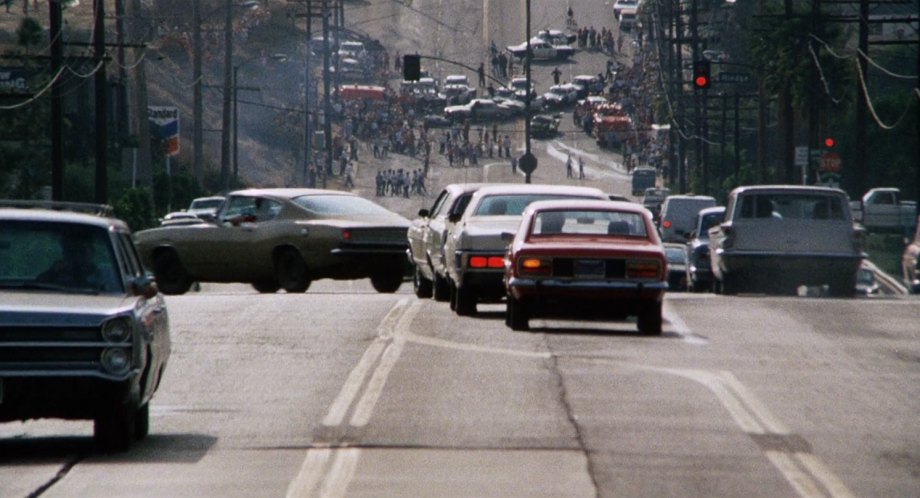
{"x":345,"y":392}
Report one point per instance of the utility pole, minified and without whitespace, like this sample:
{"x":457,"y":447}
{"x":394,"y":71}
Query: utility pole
{"x":859,"y":168}
{"x":327,"y":104}
{"x":228,"y":82}
{"x":101,"y":97}
{"x":197,"y":106}
{"x":57,"y":112}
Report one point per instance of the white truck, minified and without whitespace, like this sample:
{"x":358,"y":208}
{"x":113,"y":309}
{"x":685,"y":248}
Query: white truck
{"x":884,"y":210}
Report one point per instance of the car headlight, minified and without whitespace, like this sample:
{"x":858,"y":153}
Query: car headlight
{"x":117,"y":330}
{"x":116,"y":360}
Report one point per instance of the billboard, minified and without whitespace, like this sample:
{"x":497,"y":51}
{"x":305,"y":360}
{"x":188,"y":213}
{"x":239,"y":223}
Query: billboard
{"x":164,"y":126}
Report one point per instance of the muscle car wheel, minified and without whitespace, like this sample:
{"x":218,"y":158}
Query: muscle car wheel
{"x":386,"y":282}
{"x":441,"y":290}
{"x":516,"y":315}
{"x":422,"y":286}
{"x":291,"y":271}
{"x":266,"y":286}
{"x":465,"y":302}
{"x":649,"y":322}
{"x":170,"y":274}
{"x":114,"y":429}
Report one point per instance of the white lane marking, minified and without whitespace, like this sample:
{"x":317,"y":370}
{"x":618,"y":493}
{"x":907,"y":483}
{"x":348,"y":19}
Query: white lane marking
{"x":355,"y":380}
{"x":773,"y":425}
{"x":310,"y":473}
{"x":443,"y":343}
{"x":365,"y":407}
{"x":816,"y":467}
{"x":681,"y":328}
{"x":341,"y":474}
{"x":736,"y":408}
{"x":803,"y":485}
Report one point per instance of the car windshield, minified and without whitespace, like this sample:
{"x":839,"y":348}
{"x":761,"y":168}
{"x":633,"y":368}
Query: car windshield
{"x":340,"y":205}
{"x":513,"y":204}
{"x":792,"y":206}
{"x":589,"y":222}
{"x":206,"y":204}
{"x":58,"y":257}
{"x":675,"y":255}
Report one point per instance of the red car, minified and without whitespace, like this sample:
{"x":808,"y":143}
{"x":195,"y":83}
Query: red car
{"x":585,"y":260}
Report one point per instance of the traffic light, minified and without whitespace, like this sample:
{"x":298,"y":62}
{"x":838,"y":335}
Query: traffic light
{"x":829,"y":142}
{"x":412,"y":67}
{"x":701,"y":77}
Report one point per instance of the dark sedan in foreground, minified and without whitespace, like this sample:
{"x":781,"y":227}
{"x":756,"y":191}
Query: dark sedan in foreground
{"x":282,"y":238}
{"x":582,"y":259}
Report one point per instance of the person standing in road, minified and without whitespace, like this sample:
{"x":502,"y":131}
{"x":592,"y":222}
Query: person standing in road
{"x":556,"y":74}
{"x":568,"y":166}
{"x":482,"y":75}
{"x":581,"y":168}
{"x":507,"y":144}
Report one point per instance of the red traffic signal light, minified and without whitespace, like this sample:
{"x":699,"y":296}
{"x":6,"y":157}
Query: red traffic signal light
{"x":829,"y":142}
{"x":701,"y":77}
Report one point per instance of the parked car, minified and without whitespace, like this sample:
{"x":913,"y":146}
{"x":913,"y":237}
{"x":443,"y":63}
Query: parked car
{"x":84,"y":332}
{"x":589,"y":83}
{"x":582,"y":259}
{"x":699,"y":272}
{"x":474,"y":248}
{"x":676,"y":255}
{"x":282,"y":238}
{"x":544,"y":125}
{"x":541,"y":50}
{"x":910,"y":263}
{"x":678,"y":213}
{"x":885,"y":210}
{"x":556,"y":36}
{"x":775,"y":238}
{"x":204,"y":207}
{"x":180,"y":218}
{"x":427,"y":235}
{"x":619,"y":5}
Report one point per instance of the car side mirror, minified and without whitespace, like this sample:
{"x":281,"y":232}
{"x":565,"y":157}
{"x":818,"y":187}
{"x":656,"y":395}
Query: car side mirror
{"x":423,"y":213}
{"x":144,"y":285}
{"x":454,"y":217}
{"x":507,"y":237}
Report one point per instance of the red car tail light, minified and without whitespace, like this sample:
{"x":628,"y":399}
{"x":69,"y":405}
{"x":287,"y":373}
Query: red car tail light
{"x":346,"y":235}
{"x":644,"y":269}
{"x":666,"y":224}
{"x":532,"y":266}
{"x":487,"y":262}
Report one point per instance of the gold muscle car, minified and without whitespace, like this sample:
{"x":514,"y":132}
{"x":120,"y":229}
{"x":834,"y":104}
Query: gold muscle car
{"x":282,"y":238}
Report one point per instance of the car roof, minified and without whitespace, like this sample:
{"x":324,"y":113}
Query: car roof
{"x":786,"y":188}
{"x":710,"y":210}
{"x":287,"y":193}
{"x":518,"y":188}
{"x":47,"y":211}
{"x":587,"y":204}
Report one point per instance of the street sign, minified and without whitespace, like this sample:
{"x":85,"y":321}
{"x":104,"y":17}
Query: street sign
{"x":734,"y":77}
{"x":528,"y":163}
{"x":801,"y":155}
{"x":830,"y":162}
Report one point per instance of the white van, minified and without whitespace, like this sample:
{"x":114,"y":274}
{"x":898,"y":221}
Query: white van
{"x":678,"y":215}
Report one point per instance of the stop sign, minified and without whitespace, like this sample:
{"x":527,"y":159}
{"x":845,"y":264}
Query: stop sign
{"x":527,"y":163}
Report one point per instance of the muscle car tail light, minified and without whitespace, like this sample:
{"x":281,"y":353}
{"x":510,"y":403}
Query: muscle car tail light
{"x":643,"y":268}
{"x":346,"y":235}
{"x":116,"y":360}
{"x":487,"y":262}
{"x":666,"y":224}
{"x":535,"y":266}
{"x":117,"y":330}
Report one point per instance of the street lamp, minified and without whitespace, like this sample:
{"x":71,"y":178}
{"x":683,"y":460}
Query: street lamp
{"x":235,"y":139}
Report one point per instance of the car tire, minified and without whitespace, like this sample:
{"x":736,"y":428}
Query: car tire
{"x":842,"y":285}
{"x":516,"y":315}
{"x":422,"y":286}
{"x":266,"y":286}
{"x":387,"y":283}
{"x":649,"y":321}
{"x":171,"y":276}
{"x":465,"y":302}
{"x":441,"y":291}
{"x":142,"y":422}
{"x":291,"y":271}
{"x":114,"y":429}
